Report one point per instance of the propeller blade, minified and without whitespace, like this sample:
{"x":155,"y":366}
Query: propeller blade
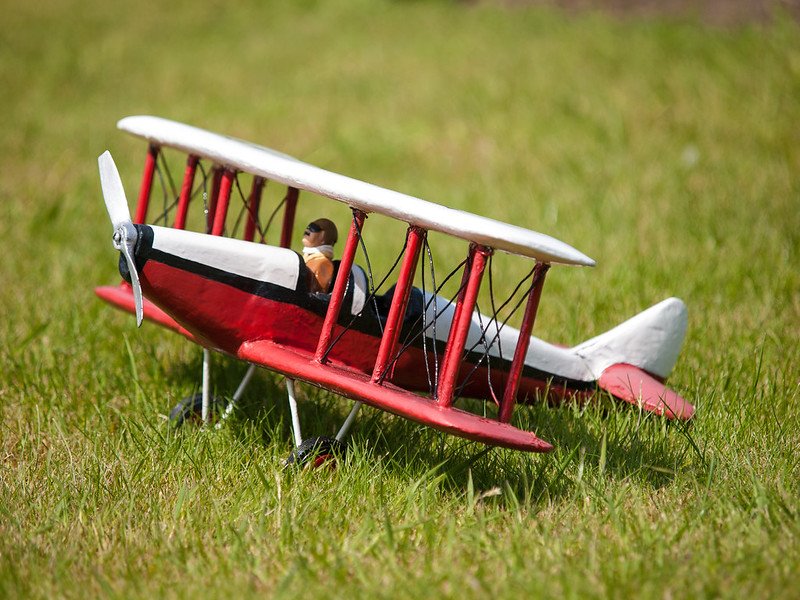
{"x":113,"y":192}
{"x":126,"y":246}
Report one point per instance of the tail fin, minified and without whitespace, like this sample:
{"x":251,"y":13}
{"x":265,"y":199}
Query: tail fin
{"x":651,"y":341}
{"x":629,"y":360}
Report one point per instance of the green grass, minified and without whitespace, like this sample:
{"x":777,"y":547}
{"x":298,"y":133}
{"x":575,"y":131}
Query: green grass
{"x":668,"y":151}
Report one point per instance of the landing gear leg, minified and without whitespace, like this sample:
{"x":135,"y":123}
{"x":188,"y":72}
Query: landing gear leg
{"x":198,"y":407}
{"x":206,"y":410}
{"x":298,"y":437}
{"x":204,"y":404}
{"x":348,"y":422}
{"x":237,"y":394}
{"x":317,"y":450}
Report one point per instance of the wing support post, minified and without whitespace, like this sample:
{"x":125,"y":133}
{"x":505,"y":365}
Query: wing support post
{"x":216,"y":178}
{"x":528,"y":319}
{"x":186,"y":192}
{"x":462,"y":317}
{"x":340,"y":286}
{"x":253,"y":204}
{"x":147,"y":184}
{"x":223,"y":199}
{"x":292,"y":195}
{"x":397,"y":311}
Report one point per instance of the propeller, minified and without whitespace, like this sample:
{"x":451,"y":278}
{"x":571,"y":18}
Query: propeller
{"x":125,"y":234}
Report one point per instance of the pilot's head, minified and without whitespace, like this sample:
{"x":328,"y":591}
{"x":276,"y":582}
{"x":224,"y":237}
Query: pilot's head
{"x":321,"y":232}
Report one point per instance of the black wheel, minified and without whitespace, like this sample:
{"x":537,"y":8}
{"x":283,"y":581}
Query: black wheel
{"x":190,"y":410}
{"x":316,"y":451}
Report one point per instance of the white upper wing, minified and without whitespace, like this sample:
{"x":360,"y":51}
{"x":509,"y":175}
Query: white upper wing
{"x":272,"y":165}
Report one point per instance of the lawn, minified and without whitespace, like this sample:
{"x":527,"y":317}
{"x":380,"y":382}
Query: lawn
{"x":666,"y":149}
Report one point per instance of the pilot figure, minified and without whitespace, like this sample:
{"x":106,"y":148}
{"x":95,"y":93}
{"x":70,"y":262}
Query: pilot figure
{"x":318,"y":240}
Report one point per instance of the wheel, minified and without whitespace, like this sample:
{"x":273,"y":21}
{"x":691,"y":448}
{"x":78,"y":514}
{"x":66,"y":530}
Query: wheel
{"x":316,"y":451}
{"x":190,"y":410}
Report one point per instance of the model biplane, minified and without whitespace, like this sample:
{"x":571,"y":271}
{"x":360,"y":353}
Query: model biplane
{"x":410,"y":350}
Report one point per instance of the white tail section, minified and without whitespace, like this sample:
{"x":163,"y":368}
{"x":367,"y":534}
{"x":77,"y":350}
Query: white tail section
{"x":651,"y":341}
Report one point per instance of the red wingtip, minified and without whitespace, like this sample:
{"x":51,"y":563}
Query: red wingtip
{"x":633,"y":385}
{"x":121,"y":296}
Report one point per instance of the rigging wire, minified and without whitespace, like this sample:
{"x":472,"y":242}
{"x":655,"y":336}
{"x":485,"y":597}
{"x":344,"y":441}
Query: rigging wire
{"x":494,"y":308}
{"x":435,"y":318}
{"x":501,"y":327}
{"x":242,"y":209}
{"x":424,"y":339}
{"x":248,"y":207}
{"x":167,"y":206}
{"x":205,"y":189}
{"x":372,"y":290}
{"x":486,"y":355}
{"x":372,"y":297}
{"x":172,"y":186}
{"x":200,"y":186}
{"x":412,"y":336}
{"x":262,"y":233}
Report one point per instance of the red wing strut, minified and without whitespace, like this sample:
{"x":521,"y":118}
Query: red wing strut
{"x":378,"y":387}
{"x":147,"y":184}
{"x":186,"y":192}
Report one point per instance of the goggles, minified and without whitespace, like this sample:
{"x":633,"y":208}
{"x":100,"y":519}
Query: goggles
{"x":312,"y":228}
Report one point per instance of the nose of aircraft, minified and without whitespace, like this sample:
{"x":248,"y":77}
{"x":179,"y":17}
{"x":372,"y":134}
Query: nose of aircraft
{"x":124,"y":269}
{"x":125,"y":233}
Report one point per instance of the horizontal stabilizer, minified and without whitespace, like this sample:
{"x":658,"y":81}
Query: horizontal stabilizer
{"x":633,"y":385}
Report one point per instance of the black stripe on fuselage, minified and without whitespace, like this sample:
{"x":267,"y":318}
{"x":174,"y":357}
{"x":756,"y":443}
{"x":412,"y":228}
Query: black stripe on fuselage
{"x":367,"y":322}
{"x":316,"y":303}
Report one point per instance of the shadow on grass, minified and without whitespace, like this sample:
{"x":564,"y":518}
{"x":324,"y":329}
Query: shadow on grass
{"x":594,"y":443}
{"x":265,"y":401}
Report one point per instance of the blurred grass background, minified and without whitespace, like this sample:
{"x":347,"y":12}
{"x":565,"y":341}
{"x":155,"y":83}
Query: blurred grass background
{"x":665,"y":148}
